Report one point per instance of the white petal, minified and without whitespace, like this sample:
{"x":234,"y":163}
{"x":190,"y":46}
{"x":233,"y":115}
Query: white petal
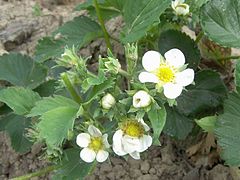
{"x":117,"y":143}
{"x":151,"y":60}
{"x":102,"y":156}
{"x":185,"y":77}
{"x":83,"y":140}
{"x":146,"y":127}
{"x":146,"y":142}
{"x":175,"y":57}
{"x":130,"y":144}
{"x":135,"y":155}
{"x":105,"y":141}
{"x":87,"y":155}
{"x":93,"y":131}
{"x":172,"y":91}
{"x":148,"y":77}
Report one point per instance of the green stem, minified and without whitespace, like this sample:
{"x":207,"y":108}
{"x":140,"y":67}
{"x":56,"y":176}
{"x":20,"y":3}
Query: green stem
{"x":105,"y":33}
{"x":199,"y":37}
{"x":228,"y":58}
{"x":124,"y":73}
{"x":38,"y":173}
{"x":70,"y":88}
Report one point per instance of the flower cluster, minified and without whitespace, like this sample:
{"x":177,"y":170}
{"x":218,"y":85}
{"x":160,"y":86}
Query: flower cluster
{"x":170,"y":75}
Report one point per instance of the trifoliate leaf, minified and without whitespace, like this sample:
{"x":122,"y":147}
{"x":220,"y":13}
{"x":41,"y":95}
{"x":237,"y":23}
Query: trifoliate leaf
{"x":57,"y":115}
{"x":220,"y":21}
{"x":140,"y":15}
{"x":227,"y":131}
{"x":21,"y":70}
{"x":203,"y":98}
{"x":19,"y":99}
{"x":16,"y":126}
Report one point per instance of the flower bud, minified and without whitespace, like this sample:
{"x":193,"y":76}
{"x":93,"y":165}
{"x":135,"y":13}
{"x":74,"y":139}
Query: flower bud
{"x":180,"y":7}
{"x":108,"y":101}
{"x":141,"y":99}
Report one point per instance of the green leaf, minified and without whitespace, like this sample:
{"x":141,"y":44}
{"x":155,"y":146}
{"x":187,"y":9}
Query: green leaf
{"x":174,"y":39}
{"x":203,"y":98}
{"x":50,"y":103}
{"x":157,"y":117}
{"x":177,"y":125}
{"x":207,"y":123}
{"x":140,"y":15}
{"x":47,"y":88}
{"x":72,"y":167}
{"x":19,"y":99}
{"x":16,"y":126}
{"x":57,"y":115}
{"x":106,"y":8}
{"x":227,"y":130}
{"x":220,"y":22}
{"x":237,"y":76}
{"x":99,"y":89}
{"x":78,"y":32}
{"x":21,"y":70}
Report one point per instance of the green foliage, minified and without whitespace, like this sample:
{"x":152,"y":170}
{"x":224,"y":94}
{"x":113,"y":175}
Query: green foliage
{"x":237,"y":76}
{"x":16,"y":126}
{"x":57,"y":115}
{"x":220,"y":21}
{"x":21,"y":70}
{"x":78,"y":32}
{"x":203,"y":98}
{"x":207,"y":123}
{"x":174,"y":39}
{"x":108,"y":9}
{"x":19,"y":99}
{"x":47,"y":88}
{"x":139,"y":16}
{"x":227,"y":130}
{"x":71,"y":166}
{"x":177,"y":125}
{"x":157,"y":117}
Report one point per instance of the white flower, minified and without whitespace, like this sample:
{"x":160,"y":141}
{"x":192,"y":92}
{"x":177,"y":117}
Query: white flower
{"x":108,"y":101}
{"x":141,"y":99}
{"x":169,"y":73}
{"x":131,"y":138}
{"x":180,"y":7}
{"x":94,"y":145}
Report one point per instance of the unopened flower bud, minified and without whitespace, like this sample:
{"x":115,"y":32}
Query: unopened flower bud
{"x":108,"y":101}
{"x":141,"y":99}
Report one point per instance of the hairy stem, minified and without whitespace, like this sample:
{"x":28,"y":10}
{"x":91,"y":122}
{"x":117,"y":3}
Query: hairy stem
{"x":38,"y":173}
{"x":71,"y":89}
{"x":124,"y":73}
{"x":228,"y":58}
{"x":100,"y":19}
{"x":199,"y":37}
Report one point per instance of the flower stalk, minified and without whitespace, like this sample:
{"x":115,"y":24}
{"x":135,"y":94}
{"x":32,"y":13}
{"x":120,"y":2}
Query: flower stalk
{"x":38,"y":173}
{"x":70,"y":88}
{"x":105,"y":33}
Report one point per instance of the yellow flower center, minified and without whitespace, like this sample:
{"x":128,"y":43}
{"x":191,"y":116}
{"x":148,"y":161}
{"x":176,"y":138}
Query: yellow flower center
{"x":133,"y":128}
{"x":165,"y":73}
{"x":96,"y":143}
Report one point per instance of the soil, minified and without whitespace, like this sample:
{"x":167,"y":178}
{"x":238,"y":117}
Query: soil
{"x":20,"y":30}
